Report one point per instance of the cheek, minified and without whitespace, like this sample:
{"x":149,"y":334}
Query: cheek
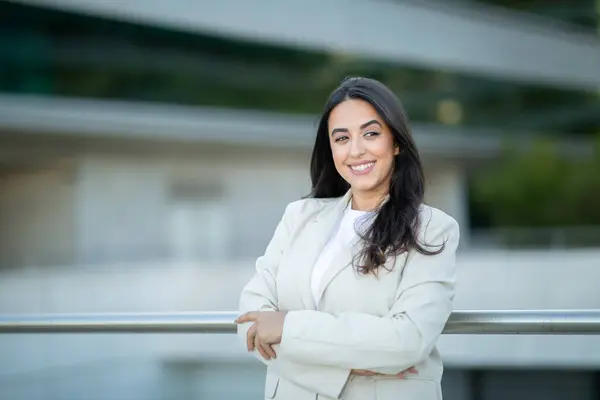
{"x":384,"y":151}
{"x":339,"y":156}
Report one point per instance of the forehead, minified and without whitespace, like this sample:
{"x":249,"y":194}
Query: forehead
{"x":352,"y":113}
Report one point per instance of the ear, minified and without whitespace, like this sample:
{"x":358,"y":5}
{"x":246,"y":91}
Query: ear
{"x":396,"y":149}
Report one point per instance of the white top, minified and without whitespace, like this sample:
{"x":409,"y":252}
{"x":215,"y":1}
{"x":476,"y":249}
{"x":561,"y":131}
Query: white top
{"x":343,"y":234}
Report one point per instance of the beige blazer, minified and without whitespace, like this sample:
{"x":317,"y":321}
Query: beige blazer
{"x":385,"y":324}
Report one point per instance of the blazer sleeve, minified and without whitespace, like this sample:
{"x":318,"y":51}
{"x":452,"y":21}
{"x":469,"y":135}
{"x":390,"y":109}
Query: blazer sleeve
{"x":400,"y":340}
{"x":260,"y":294}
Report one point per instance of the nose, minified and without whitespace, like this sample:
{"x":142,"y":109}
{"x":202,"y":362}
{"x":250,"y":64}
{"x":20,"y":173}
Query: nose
{"x":357,"y":148}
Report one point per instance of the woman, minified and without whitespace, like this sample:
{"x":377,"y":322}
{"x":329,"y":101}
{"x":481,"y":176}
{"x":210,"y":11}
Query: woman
{"x":356,"y":285}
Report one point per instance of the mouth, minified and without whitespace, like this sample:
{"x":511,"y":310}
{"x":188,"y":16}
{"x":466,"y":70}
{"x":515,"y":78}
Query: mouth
{"x":362,"y":169}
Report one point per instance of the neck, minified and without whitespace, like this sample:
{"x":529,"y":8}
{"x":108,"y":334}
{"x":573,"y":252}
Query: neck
{"x":367,"y":201}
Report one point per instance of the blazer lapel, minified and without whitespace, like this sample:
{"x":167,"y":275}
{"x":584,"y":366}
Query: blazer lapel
{"x":344,"y":258}
{"x":313,"y":242}
{"x":346,"y":253}
{"x":340,"y":262}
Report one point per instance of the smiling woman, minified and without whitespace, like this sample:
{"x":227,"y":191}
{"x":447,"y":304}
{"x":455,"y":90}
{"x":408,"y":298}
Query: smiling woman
{"x":356,"y":285}
{"x":364,"y":153}
{"x":364,"y":144}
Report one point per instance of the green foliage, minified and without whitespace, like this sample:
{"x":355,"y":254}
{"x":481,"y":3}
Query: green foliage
{"x":540,"y":188}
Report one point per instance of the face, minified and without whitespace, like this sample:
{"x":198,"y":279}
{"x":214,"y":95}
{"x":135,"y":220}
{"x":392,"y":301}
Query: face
{"x":362,"y":146}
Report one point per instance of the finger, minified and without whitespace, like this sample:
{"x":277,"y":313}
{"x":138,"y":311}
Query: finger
{"x":250,"y":337}
{"x":261,"y":349}
{"x":247,"y":317}
{"x":263,"y":353}
{"x":413,"y":370}
{"x":363,"y":372}
{"x":401,"y":375}
{"x":269,"y":350}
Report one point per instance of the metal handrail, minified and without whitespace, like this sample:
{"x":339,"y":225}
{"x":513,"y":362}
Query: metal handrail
{"x":537,"y":322}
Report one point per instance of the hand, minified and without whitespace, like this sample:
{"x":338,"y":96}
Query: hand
{"x":266,"y":331}
{"x":400,"y":375}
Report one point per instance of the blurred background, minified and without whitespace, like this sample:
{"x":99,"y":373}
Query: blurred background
{"x":149,"y":148}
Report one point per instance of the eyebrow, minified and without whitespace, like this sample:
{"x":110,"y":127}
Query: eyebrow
{"x":363,"y":126}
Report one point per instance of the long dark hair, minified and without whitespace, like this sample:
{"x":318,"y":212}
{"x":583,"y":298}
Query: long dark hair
{"x":393,"y":230}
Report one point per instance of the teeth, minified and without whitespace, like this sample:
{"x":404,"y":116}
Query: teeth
{"x":362,"y":167}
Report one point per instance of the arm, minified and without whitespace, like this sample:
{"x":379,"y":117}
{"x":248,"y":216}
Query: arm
{"x":260,"y":294}
{"x":388,"y":344}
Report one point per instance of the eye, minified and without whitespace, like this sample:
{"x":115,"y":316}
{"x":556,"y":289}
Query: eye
{"x":341,"y":138}
{"x":371,"y":134}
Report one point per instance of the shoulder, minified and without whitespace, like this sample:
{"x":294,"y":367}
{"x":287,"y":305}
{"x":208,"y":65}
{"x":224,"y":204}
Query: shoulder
{"x":433,"y":222}
{"x":306,"y":208}
{"x":300,"y":212}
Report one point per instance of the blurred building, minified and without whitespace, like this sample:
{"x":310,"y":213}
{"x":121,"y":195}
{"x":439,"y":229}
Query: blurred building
{"x":158,"y":143}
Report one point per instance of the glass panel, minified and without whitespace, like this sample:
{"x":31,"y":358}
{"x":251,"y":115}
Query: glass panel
{"x":57,"y":53}
{"x":126,"y":367}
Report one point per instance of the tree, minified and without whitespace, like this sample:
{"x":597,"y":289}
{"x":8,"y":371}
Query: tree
{"x":540,"y":188}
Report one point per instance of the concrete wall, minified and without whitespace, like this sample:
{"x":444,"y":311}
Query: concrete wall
{"x":125,"y":203}
{"x":447,"y":189}
{"x":211,"y":204}
{"x":36,"y":217}
{"x":119,"y":209}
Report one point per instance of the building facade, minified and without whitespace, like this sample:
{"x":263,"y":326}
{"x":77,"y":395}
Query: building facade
{"x":147,"y":152}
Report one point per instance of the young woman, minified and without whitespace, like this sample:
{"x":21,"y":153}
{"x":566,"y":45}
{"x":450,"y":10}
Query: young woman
{"x":356,"y":285}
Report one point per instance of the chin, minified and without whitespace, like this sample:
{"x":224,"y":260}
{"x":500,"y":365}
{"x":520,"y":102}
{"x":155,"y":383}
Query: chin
{"x":363,"y":186}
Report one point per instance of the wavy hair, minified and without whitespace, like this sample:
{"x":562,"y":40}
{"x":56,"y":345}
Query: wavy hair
{"x":393,"y":230}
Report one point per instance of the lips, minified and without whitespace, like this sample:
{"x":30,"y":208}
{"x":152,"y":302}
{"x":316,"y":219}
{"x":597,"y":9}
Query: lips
{"x":361,"y":169}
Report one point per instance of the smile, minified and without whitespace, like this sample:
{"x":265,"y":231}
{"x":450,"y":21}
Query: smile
{"x":362,"y":169}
